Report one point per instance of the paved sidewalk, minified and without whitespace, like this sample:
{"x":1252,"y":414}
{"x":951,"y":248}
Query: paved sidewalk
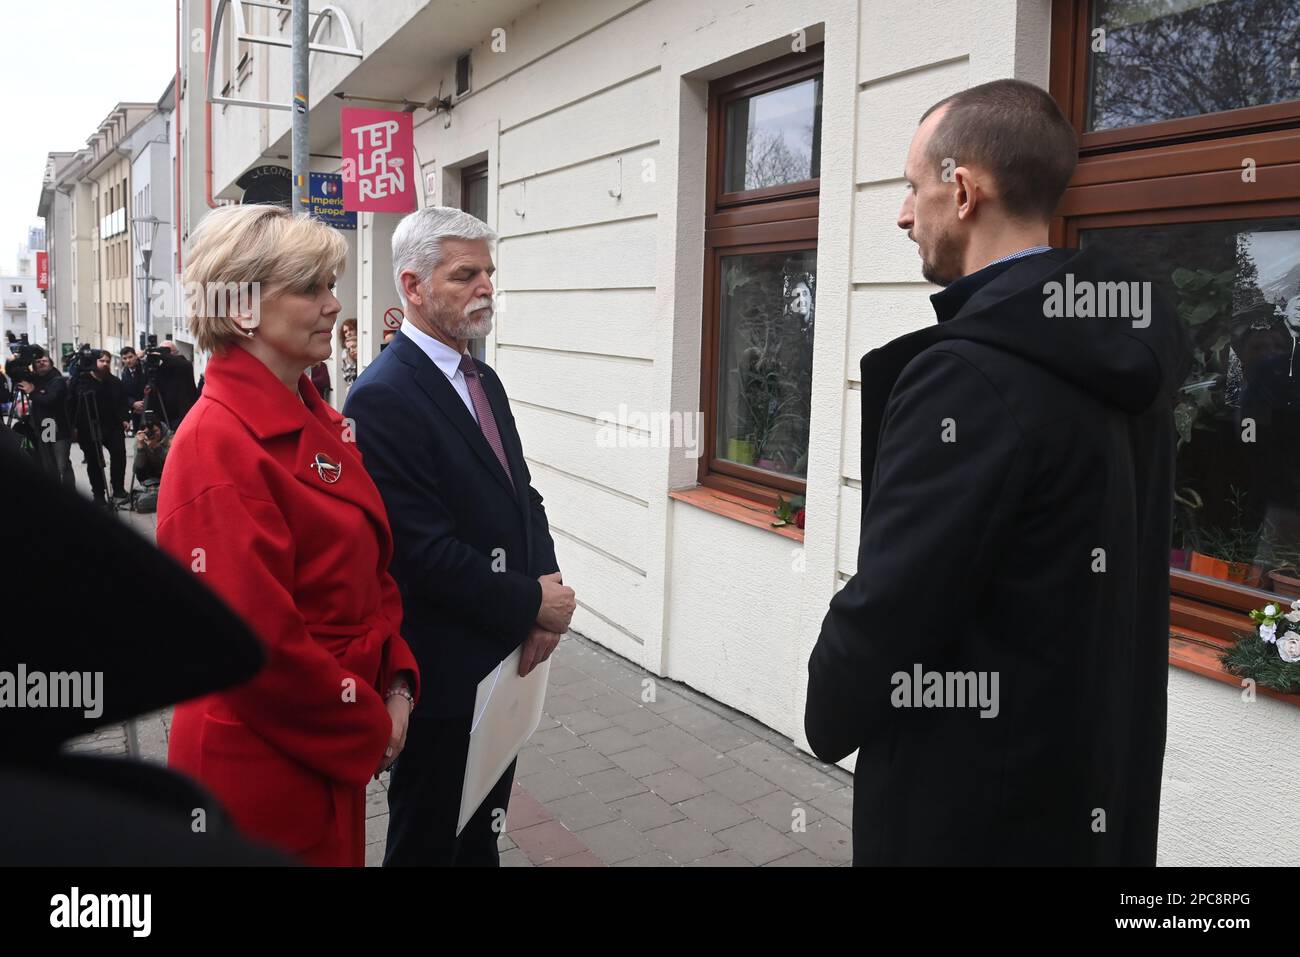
{"x":610,"y":781}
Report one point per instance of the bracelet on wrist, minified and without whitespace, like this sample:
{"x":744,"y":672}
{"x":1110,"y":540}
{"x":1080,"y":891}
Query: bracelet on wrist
{"x":400,"y":692}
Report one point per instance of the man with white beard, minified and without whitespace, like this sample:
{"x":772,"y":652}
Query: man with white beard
{"x":472,"y":550}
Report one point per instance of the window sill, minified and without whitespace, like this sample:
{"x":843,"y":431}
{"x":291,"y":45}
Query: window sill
{"x":736,"y":508}
{"x":1199,"y":653}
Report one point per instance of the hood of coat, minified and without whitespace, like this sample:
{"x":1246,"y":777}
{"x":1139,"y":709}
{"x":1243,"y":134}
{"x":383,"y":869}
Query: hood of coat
{"x":1087,"y":318}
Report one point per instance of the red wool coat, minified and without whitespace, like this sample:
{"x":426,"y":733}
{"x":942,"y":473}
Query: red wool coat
{"x":250,"y":503}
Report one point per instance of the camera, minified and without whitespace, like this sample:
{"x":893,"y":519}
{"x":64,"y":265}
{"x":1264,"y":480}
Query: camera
{"x":24,"y":355}
{"x":152,"y":355}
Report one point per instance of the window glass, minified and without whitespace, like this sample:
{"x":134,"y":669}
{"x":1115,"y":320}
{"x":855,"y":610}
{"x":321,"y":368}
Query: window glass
{"x":1152,"y":60}
{"x":1237,"y":486}
{"x":774,"y":138}
{"x":765,"y":360}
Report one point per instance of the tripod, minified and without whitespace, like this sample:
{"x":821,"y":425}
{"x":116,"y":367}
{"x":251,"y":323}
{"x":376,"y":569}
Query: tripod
{"x":87,"y":402}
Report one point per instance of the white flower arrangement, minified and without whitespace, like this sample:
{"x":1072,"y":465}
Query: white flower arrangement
{"x":1267,"y":621}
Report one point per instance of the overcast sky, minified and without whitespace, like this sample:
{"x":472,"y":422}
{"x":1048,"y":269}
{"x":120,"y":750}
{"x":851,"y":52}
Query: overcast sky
{"x":64,"y":64}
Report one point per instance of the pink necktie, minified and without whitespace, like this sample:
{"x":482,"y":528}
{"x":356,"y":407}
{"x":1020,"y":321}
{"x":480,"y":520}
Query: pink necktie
{"x":486,"y":420}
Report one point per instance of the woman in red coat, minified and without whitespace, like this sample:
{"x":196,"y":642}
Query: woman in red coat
{"x":265,"y":498}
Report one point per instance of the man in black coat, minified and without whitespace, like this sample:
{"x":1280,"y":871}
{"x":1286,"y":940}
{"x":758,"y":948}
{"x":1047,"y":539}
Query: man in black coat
{"x":99,"y":404}
{"x":48,"y":419}
{"x":473,"y":554}
{"x":133,"y":382}
{"x":1000,"y":658}
{"x":177,"y":392}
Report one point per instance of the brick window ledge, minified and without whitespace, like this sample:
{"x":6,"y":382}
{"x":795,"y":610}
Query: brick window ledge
{"x":736,"y":508}
{"x":1199,"y":653}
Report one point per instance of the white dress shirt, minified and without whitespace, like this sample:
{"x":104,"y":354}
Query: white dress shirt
{"x":445,"y":358}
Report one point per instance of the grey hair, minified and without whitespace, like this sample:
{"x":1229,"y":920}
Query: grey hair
{"x":417,"y":241}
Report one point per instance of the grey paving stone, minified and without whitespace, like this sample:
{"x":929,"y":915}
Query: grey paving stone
{"x":548,"y":785}
{"x":376,"y":803}
{"x":828,"y":839}
{"x":581,"y":810}
{"x":611,"y":703}
{"x":530,"y":761}
{"x":376,"y":828}
{"x":714,"y":812}
{"x":757,"y":842}
{"x":641,"y":761}
{"x":837,"y":804}
{"x":585,"y":721}
{"x":777,"y":809}
{"x":611,"y":785}
{"x":555,"y":740}
{"x":651,"y":858}
{"x":586,"y":690}
{"x":645,"y":811}
{"x":684,"y":841}
{"x":375,"y":854}
{"x":515,"y":858}
{"x":639,"y":721}
{"x":686,"y":751}
{"x":785,"y":771}
{"x":546,"y":723}
{"x":665,"y":701}
{"x":739,"y":784}
{"x":615,"y":841}
{"x":562,"y":674}
{"x":675,"y":785}
{"x":505,"y":842}
{"x":692,"y":716}
{"x":581,"y":761}
{"x":722,"y":859}
{"x":562,"y":704}
{"x":723,"y":736}
{"x":612,"y":740}
{"x":758,"y":729}
{"x":804,"y":858}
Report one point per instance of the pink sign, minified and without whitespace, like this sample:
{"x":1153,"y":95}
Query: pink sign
{"x":378,"y":169}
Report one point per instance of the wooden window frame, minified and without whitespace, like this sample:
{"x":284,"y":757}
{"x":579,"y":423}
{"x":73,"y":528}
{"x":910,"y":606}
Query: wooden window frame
{"x":746,"y":222}
{"x":1186,"y":170}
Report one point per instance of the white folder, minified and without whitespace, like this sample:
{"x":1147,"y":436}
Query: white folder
{"x":507,"y":710}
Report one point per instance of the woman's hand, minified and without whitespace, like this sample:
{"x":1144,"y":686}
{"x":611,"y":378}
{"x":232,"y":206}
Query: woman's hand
{"x":399,"y":712}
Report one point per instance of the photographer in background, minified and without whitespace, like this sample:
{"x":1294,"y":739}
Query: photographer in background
{"x":133,"y":381}
{"x":96,"y":386}
{"x":153,"y":440}
{"x":175,"y":384}
{"x":48,"y":422}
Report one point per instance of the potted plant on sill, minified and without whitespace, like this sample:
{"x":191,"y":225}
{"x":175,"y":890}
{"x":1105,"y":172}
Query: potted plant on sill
{"x":1186,"y":501}
{"x":1230,"y":553}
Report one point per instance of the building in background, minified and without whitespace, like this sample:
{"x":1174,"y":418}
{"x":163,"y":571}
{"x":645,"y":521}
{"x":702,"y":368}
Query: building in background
{"x":152,"y":221}
{"x":23,"y":306}
{"x":682,"y":186}
{"x":90,"y":199}
{"x":56,"y":209}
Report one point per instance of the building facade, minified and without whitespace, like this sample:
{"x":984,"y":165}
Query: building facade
{"x":697,"y":202}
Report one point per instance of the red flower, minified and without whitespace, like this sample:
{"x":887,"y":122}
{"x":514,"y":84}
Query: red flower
{"x":798,"y":518}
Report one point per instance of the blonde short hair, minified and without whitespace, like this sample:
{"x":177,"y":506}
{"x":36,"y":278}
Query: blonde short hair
{"x":252,"y":252}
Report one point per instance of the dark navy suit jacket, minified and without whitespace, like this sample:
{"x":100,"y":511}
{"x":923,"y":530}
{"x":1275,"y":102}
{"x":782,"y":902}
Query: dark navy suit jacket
{"x":468,"y":546}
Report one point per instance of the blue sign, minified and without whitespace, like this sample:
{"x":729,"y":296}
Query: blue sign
{"x":326,"y":196}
